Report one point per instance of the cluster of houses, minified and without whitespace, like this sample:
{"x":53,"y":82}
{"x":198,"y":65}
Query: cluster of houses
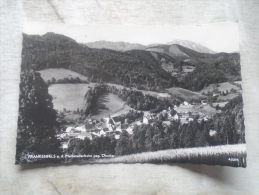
{"x":112,"y":126}
{"x":93,"y":128}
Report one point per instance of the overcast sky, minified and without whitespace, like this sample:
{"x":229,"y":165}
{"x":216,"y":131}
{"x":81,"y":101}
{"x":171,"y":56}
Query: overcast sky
{"x":219,"y":37}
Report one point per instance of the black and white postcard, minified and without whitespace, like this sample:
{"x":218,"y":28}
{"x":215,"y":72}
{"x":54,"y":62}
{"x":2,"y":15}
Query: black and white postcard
{"x":131,"y":94}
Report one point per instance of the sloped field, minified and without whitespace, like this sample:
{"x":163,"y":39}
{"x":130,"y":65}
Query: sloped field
{"x":184,"y":93}
{"x":110,"y":104}
{"x":226,"y":86}
{"x":69,"y":96}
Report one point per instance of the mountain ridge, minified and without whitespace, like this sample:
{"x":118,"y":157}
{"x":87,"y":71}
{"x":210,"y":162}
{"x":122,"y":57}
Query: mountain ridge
{"x":136,"y":68}
{"x":118,"y":46}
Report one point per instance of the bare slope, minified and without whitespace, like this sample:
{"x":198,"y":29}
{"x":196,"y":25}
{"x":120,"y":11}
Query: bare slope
{"x":146,"y":92}
{"x":110,"y":104}
{"x":69,"y":96}
{"x":184,"y":93}
{"x":226,"y":86}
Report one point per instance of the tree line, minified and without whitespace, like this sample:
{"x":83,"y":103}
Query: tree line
{"x":65,"y":80}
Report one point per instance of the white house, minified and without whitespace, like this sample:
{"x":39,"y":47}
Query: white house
{"x":68,"y":129}
{"x":81,"y":137}
{"x":146,"y":119}
{"x":130,"y":129}
{"x":64,"y":145}
{"x":166,"y":123}
{"x":81,"y":128}
{"x":118,"y":128}
{"x":176,"y":117}
{"x":185,"y":103}
{"x":102,"y":132}
{"x":190,"y":119}
{"x":204,"y":102}
{"x":111,"y":124}
{"x":213,"y":133}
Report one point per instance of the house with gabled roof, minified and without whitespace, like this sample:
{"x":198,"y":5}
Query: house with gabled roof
{"x":112,"y":124}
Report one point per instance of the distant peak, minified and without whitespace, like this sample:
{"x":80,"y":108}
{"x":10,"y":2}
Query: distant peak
{"x":192,"y":45}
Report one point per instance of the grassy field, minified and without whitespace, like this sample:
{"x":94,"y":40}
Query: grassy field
{"x":110,"y":104}
{"x":206,"y":109}
{"x":222,"y":87}
{"x":227,"y":97}
{"x":60,"y":73}
{"x":227,"y":155}
{"x":221,"y":104}
{"x":69,"y":96}
{"x":184,"y":93}
{"x":153,"y":93}
{"x":238,"y":82}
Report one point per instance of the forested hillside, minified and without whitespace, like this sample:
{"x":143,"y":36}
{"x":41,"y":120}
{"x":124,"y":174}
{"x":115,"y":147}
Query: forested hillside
{"x":230,"y":124}
{"x":37,"y":125}
{"x":209,"y":68}
{"x":57,"y":51}
{"x":137,"y":68}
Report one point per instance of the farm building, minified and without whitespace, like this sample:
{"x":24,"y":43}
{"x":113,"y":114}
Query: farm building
{"x":81,"y":128}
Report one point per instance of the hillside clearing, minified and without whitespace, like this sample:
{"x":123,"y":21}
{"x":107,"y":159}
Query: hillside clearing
{"x":226,"y":86}
{"x":145,"y":92}
{"x":227,"y":155}
{"x":221,"y":104}
{"x":60,"y":73}
{"x":206,"y":109}
{"x":227,"y":97}
{"x":69,"y":96}
{"x":184,"y":93}
{"x":110,"y":104}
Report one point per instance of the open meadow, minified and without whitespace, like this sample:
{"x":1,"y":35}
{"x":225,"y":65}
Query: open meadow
{"x":229,"y":96}
{"x":206,"y":109}
{"x":69,"y":96}
{"x":226,"y":86}
{"x":145,"y":92}
{"x":184,"y":93}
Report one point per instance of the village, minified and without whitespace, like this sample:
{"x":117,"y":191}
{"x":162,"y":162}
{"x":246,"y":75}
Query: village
{"x":111,"y":125}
